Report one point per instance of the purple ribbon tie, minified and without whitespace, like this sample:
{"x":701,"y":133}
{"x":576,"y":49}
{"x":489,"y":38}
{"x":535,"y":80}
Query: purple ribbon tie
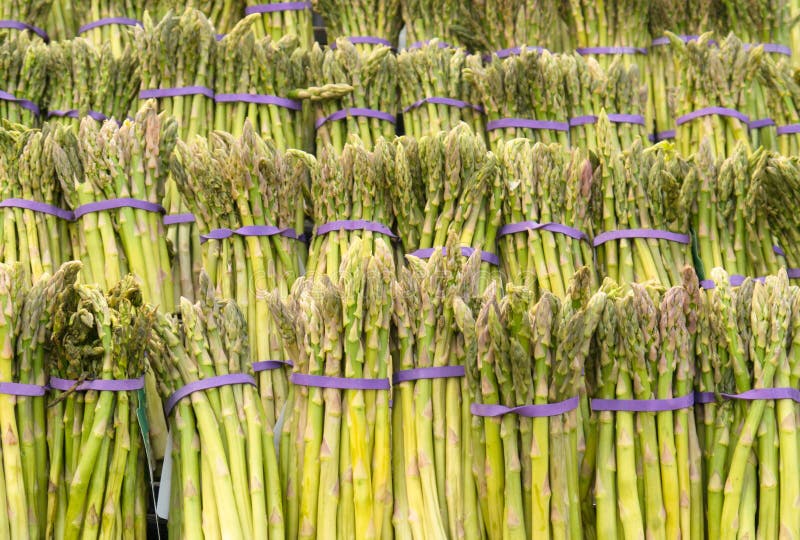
{"x":176,"y":219}
{"x":277,"y":7}
{"x":24,"y":103}
{"x":761,"y":123}
{"x":613,"y":118}
{"x":17,"y":25}
{"x":443,"y":101}
{"x":365,"y":40}
{"x":37,"y":206}
{"x":260,"y":99}
{"x":656,"y":234}
{"x":486,"y":256}
{"x":436,"y":372}
{"x":250,"y":230}
{"x":755,"y":394}
{"x":340,"y":383}
{"x":158,"y":93}
{"x":113,"y":204}
{"x":125,"y":21}
{"x":74,"y":113}
{"x":528,"y":123}
{"x":514,"y":228}
{"x":269,"y":365}
{"x":355,"y":225}
{"x":711,"y":111}
{"x":206,"y":384}
{"x":21,"y":389}
{"x":611,"y":50}
{"x":528,"y":411}
{"x":643,"y":405}
{"x":355,"y":111}
{"x":101,"y":385}
{"x":789,"y":129}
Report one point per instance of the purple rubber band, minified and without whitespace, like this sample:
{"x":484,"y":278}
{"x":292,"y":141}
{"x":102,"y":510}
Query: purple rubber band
{"x":206,"y":384}
{"x":708,"y":284}
{"x":513,"y":51}
{"x":522,"y":226}
{"x":17,"y":25}
{"x":486,"y":256}
{"x":789,"y":129}
{"x":761,"y":123}
{"x":736,"y":280}
{"x":176,"y":219}
{"x":355,"y":111}
{"x":642,"y":405}
{"x":778,"y":251}
{"x":439,"y":44}
{"x":21,"y":389}
{"x":125,"y":21}
{"x":665,"y":135}
{"x":269,"y":365}
{"x":365,"y":40}
{"x":102,"y":385}
{"x":219,"y":37}
{"x":756,"y":394}
{"x":611,"y":50}
{"x":665,"y":40}
{"x":158,"y":93}
{"x":113,"y":204}
{"x":436,"y":372}
{"x":37,"y":206}
{"x":260,"y":99}
{"x":24,"y":103}
{"x":526,"y":123}
{"x":709,"y":111}
{"x":250,"y":230}
{"x":277,"y":7}
{"x":528,"y":411}
{"x":775,"y":48}
{"x":74,"y":113}
{"x":355,"y":225}
{"x":443,"y":101}
{"x":656,"y":234}
{"x":793,"y":273}
{"x":340,"y":383}
{"x":614,"y":118}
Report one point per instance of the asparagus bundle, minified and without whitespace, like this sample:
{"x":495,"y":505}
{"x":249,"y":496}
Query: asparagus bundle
{"x":23,"y":63}
{"x":20,"y":15}
{"x":223,"y":14}
{"x":89,"y":80}
{"x":523,"y":96}
{"x":279,"y":19}
{"x":616,"y":91}
{"x":433,"y":92}
{"x":225,"y":479}
{"x":782,"y":99}
{"x":253,"y":81}
{"x":183,"y":242}
{"x":369,"y":22}
{"x":642,"y":226}
{"x":355,"y":93}
{"x":335,"y":449}
{"x":550,"y":196}
{"x":177,"y":56}
{"x":248,"y":201}
{"x":97,"y":480}
{"x":111,"y":22}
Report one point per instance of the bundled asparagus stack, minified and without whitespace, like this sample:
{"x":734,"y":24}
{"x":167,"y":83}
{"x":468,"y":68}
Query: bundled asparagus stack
{"x":279,"y":19}
{"x":111,"y":22}
{"x":248,"y":200}
{"x":523,"y":96}
{"x":24,"y":15}
{"x":550,"y":197}
{"x":89,"y":80}
{"x":364,"y":22}
{"x":335,"y":450}
{"x":782,"y":99}
{"x":183,"y":242}
{"x":355,"y":93}
{"x":433,"y":92}
{"x":97,"y":478}
{"x":524,"y":362}
{"x":178,"y":56}
{"x":616,"y":91}
{"x":23,"y":63}
{"x":225,"y":477}
{"x":642,"y":226}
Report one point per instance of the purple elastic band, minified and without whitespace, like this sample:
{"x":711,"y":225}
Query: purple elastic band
{"x":366,"y":40}
{"x":642,"y":405}
{"x":708,"y":284}
{"x":443,"y":101}
{"x":269,"y":365}
{"x":614,"y":118}
{"x":356,"y":111}
{"x":437,"y":372}
{"x":74,"y":113}
{"x":102,"y":385}
{"x":260,"y":99}
{"x":158,"y":93}
{"x":708,"y":111}
{"x":109,"y":21}
{"x":37,"y":206}
{"x":219,"y":37}
{"x":340,"y":383}
{"x":751,"y":395}
{"x":250,"y":230}
{"x":788,"y":129}
{"x":17,"y":25}
{"x":176,"y":219}
{"x":513,"y":51}
{"x":21,"y":389}
{"x":420,"y":44}
{"x":778,"y":251}
{"x":277,"y":7}
{"x":514,"y":228}
{"x":206,"y":384}
{"x":793,"y":273}
{"x":656,"y":234}
{"x":24,"y":103}
{"x":761,"y":123}
{"x":528,"y":411}
{"x":526,"y":123}
{"x":486,"y":256}
{"x":113,"y":204}
{"x":775,"y":48}
{"x":737,"y":279}
{"x":665,"y":135}
{"x":355,"y":225}
{"x":665,"y":40}
{"x":611,"y":50}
